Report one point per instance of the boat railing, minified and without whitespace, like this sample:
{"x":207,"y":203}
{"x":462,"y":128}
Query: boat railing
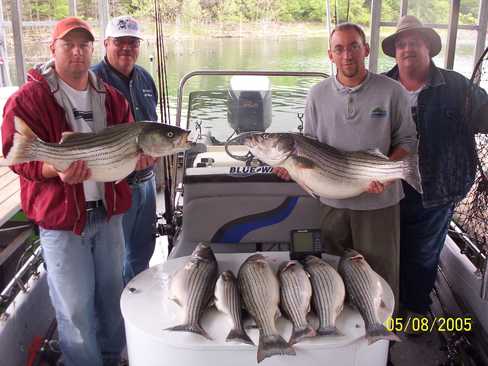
{"x":473,"y":252}
{"x":192,"y":74}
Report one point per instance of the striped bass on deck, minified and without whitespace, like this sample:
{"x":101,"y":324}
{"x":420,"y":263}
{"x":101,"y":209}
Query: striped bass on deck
{"x":365,"y":292}
{"x":324,"y":171}
{"x":228,"y":301}
{"x":328,"y":294}
{"x":260,"y":291}
{"x":111,"y":154}
{"x":192,"y":288}
{"x":296,"y":292}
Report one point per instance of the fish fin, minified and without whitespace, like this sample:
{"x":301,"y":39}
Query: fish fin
{"x":382,"y":304}
{"x":177,"y":302}
{"x":67,"y":136}
{"x":301,"y":333}
{"x":193,"y":328}
{"x":23,"y":129}
{"x":308,"y":190}
{"x":328,"y":331}
{"x":411,"y":172}
{"x":285,"y":265}
{"x":22,"y":150}
{"x":376,"y":152}
{"x":273,"y":345}
{"x":378,"y":332}
{"x":239,"y":335}
{"x":251,"y":325}
{"x":278,"y":313}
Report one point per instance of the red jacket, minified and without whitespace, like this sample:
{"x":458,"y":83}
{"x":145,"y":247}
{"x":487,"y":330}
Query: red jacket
{"x":49,"y":202}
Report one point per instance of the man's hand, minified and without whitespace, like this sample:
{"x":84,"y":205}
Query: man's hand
{"x":378,"y":187}
{"x":282,"y":173}
{"x":144,"y":161}
{"x":76,"y":173}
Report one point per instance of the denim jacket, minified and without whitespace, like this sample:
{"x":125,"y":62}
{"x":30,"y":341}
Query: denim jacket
{"x":447,"y":149}
{"x":139,"y":89}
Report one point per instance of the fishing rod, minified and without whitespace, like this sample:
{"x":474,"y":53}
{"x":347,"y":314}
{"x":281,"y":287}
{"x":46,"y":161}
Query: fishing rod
{"x":168,"y":163}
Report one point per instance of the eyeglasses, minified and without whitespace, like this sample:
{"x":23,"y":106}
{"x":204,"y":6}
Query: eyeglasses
{"x":412,"y":43}
{"x":353,"y":48}
{"x":129,"y":42}
{"x":69,"y":46}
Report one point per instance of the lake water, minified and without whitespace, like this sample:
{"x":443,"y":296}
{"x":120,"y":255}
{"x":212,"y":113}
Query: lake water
{"x":291,"y":53}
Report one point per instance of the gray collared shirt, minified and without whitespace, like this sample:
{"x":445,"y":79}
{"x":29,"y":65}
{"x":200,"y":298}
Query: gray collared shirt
{"x":373,"y":115}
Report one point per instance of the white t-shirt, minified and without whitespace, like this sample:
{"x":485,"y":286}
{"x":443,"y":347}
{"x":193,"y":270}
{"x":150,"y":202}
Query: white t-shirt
{"x":413,"y":97}
{"x":82,"y":110}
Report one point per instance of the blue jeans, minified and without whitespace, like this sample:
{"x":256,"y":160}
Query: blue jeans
{"x":140,"y":229}
{"x":422,"y":235}
{"x":85,"y":284}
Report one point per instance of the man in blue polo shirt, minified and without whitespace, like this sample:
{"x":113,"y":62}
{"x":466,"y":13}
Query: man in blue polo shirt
{"x":119,"y":69}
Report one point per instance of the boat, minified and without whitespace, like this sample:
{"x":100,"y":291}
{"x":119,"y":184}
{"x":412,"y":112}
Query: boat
{"x":232,"y":202}
{"x":240,"y":207}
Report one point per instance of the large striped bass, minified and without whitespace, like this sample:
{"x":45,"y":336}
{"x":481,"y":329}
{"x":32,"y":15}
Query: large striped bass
{"x":296,"y":292}
{"x":110,"y":154}
{"x":324,"y":171}
{"x":260,"y":292}
{"x":364,"y":290}
{"x":228,"y":301}
{"x":192,"y":288}
{"x":328,"y":294}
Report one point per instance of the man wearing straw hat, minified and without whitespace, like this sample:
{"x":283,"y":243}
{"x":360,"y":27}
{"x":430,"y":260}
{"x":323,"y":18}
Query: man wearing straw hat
{"x":118,"y":68}
{"x":446,"y":154}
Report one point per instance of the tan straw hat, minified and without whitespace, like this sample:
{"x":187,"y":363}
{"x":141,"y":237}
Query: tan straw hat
{"x":411,"y":23}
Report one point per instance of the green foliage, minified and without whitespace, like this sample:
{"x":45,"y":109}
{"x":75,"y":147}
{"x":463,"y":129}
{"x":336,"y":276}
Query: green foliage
{"x":208,"y":11}
{"x":51,"y":9}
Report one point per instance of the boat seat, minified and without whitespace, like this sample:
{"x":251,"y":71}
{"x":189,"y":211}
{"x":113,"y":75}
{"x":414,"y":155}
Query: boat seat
{"x":244,"y":213}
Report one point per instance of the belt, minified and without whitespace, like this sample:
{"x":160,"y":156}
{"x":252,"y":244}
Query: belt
{"x":92,"y":205}
{"x":141,"y":179}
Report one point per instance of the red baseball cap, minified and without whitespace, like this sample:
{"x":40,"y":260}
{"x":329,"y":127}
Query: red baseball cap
{"x":66,"y":25}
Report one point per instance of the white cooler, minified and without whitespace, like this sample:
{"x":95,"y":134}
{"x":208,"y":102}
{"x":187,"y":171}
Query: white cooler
{"x":147,"y":311}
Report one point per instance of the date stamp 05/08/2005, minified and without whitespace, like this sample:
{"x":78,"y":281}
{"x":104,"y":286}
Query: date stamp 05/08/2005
{"x":428,"y":324}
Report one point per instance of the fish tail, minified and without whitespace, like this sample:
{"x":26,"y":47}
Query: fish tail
{"x":328,"y":331}
{"x":193,"y":328}
{"x":23,"y":150}
{"x":378,"y":332}
{"x":411,"y":172}
{"x":301,"y":333}
{"x":239,"y":335}
{"x":273,"y":345}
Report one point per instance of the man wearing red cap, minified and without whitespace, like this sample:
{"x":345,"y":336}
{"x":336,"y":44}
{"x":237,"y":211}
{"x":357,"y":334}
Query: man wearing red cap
{"x":446,"y":154}
{"x":80,"y":220}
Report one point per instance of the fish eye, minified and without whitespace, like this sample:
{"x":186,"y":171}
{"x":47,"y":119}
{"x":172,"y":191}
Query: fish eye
{"x":170,"y":134}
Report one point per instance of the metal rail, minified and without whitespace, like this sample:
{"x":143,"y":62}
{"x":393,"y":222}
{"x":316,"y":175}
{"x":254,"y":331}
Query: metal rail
{"x":188,"y":76}
{"x":473,"y":249}
{"x":18,"y":282}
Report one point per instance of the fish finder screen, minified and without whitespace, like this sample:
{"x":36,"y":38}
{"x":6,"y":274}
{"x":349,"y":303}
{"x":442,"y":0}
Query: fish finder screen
{"x":303,"y":241}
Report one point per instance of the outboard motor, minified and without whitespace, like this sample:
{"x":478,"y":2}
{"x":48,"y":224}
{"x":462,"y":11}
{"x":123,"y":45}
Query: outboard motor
{"x":249,"y":103}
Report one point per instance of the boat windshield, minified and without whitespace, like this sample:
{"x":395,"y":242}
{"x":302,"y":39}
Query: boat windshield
{"x":243,"y":103}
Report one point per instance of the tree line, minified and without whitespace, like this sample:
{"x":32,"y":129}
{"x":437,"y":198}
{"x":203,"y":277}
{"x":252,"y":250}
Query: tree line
{"x":233,"y":11}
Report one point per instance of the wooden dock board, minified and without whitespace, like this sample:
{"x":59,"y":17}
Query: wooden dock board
{"x":9,"y":194}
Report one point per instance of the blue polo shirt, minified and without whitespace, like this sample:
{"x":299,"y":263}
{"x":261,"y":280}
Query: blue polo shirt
{"x":140,"y":91}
